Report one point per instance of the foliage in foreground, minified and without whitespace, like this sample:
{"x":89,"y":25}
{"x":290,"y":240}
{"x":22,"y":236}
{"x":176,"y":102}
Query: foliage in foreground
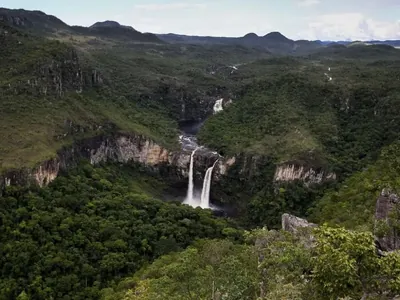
{"x":339,"y":264}
{"x":88,"y":230}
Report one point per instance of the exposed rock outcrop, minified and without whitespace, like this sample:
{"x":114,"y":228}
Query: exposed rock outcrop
{"x":123,"y":148}
{"x":386,"y":222}
{"x":309,"y":175}
{"x":224,"y":165}
{"x":292,"y":223}
{"x":118,"y":147}
{"x":301,"y":228}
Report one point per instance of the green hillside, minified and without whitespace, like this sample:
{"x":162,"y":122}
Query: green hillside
{"x":293,"y":108}
{"x":102,"y":232}
{"x":46,"y":84}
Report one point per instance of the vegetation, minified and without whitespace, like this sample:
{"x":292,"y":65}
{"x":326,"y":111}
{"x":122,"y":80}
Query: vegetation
{"x":100,"y":232}
{"x":88,"y":230}
{"x":288,"y":115}
{"x":135,"y":87}
{"x":353,"y":204}
{"x":39,"y":101}
{"x":272,"y":265}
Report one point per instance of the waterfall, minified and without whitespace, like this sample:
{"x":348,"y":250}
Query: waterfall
{"x":218,"y":106}
{"x":189,"y":197}
{"x":205,"y":194}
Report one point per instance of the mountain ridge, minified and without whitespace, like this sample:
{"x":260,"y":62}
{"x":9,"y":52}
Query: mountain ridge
{"x":43,"y":24}
{"x":274,"y":42}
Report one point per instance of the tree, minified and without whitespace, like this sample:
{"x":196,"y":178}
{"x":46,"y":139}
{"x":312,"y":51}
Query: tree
{"x":346,"y":265}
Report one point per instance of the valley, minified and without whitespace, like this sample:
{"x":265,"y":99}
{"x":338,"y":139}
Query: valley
{"x":146,"y":166}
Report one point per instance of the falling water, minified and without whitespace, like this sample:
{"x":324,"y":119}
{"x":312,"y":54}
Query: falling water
{"x":218,"y":106}
{"x":205,"y":194}
{"x":189,"y":197}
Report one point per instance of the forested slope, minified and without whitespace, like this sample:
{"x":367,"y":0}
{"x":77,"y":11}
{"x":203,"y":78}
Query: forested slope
{"x":89,"y":229}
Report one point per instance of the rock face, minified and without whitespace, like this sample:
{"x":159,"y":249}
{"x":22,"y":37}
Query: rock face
{"x":292,"y":172}
{"x":292,"y":223}
{"x":388,"y":236}
{"x":119,"y":147}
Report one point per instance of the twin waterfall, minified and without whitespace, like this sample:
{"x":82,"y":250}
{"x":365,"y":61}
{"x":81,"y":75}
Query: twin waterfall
{"x":205,"y":194}
{"x":189,"y":141}
{"x":191,"y":199}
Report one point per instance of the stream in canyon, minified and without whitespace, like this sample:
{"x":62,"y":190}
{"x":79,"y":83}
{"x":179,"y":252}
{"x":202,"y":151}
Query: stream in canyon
{"x":198,"y":196}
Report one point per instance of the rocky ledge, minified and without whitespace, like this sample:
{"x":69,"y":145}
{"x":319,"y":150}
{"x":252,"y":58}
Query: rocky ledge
{"x":386,"y":221}
{"x":307,"y":174}
{"x":118,"y":147}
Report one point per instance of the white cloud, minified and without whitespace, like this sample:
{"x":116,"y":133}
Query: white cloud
{"x":354,"y":26}
{"x":170,"y":6}
{"x":213,"y":19}
{"x":308,"y":2}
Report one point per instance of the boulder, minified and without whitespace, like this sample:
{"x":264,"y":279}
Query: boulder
{"x":292,"y":223}
{"x":386,"y":222}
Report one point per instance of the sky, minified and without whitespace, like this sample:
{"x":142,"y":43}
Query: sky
{"x":296,"y":19}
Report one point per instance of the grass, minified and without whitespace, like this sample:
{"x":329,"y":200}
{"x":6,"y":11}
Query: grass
{"x":143,"y":89}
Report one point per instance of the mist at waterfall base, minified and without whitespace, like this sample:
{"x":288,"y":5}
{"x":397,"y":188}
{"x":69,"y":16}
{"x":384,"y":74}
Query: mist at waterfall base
{"x":188,"y":140}
{"x":194,"y":198}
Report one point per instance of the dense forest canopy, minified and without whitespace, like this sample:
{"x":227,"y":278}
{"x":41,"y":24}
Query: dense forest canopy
{"x":89,"y":229}
{"x":96,"y":228}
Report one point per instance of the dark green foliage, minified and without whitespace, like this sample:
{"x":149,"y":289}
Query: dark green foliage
{"x":324,"y":264}
{"x":89,"y":229}
{"x":140,"y":88}
{"x":268,"y":205}
{"x":206,"y":270}
{"x":357,"y":52}
{"x":287,"y":116}
{"x":353,"y":203}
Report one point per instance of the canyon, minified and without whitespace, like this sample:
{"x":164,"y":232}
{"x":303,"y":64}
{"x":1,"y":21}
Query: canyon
{"x":190,"y":162}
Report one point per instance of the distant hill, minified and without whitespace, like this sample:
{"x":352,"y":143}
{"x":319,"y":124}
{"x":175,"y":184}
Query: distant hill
{"x":274,"y":42}
{"x":277,"y":37}
{"x":109,"y":24}
{"x":33,"y":20}
{"x":251,"y":35}
{"x":40,"y":23}
{"x":394,"y":43}
{"x":357,"y":51}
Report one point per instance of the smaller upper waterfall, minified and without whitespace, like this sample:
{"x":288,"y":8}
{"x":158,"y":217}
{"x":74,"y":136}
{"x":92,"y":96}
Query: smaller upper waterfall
{"x":218,"y":106}
{"x":205,"y":194}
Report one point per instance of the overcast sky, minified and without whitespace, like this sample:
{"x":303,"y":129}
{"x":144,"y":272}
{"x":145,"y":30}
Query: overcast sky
{"x":296,"y":19}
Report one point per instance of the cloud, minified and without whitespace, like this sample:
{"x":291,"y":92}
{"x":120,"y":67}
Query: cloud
{"x":170,"y":6}
{"x":211,"y":18}
{"x":354,"y":26}
{"x":308,"y":2}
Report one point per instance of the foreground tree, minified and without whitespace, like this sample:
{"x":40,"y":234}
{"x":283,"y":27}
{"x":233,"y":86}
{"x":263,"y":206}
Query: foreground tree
{"x":346,"y":264}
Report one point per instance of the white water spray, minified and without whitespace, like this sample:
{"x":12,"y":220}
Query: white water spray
{"x":205,"y":194}
{"x":189,"y":196}
{"x":218,"y":106}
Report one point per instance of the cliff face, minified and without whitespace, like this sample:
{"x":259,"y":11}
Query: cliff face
{"x":121,"y":148}
{"x":56,"y":76}
{"x":51,"y":68}
{"x":309,"y":175}
{"x":188,"y":103}
{"x":386,"y":228}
